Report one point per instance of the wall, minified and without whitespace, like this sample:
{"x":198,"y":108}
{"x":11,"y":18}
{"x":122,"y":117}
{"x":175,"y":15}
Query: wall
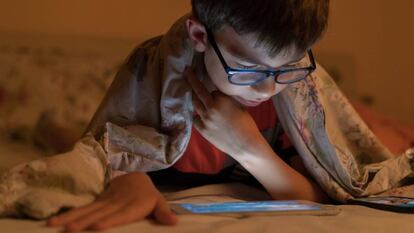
{"x":367,"y":48}
{"x":128,"y":19}
{"x":370,"y":44}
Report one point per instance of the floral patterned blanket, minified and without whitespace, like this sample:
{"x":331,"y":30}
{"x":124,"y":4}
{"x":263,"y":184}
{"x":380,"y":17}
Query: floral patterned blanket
{"x":337,"y":147}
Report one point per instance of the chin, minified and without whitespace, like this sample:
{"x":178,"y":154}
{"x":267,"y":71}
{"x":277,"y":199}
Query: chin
{"x":247,"y":103}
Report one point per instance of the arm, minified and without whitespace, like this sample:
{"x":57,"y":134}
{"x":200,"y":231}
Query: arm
{"x":280,"y":180}
{"x":231,"y":129}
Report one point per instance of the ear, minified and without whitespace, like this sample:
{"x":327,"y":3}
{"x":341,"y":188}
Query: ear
{"x":197,"y":34}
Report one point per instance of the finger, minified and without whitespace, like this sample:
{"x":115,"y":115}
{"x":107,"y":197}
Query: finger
{"x":163,"y":213}
{"x":85,"y":221}
{"x":198,"y":124}
{"x":74,"y":214}
{"x":198,"y":105}
{"x":198,"y":88}
{"x":123,"y":216}
{"x":217,"y":93}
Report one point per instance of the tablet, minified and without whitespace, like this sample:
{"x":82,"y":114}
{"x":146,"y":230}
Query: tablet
{"x":390,"y":203}
{"x":243,"y":208}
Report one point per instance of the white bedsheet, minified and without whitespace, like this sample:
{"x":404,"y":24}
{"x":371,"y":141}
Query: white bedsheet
{"x":351,"y":219}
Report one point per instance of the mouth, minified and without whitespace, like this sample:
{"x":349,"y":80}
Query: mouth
{"x":248,"y":103}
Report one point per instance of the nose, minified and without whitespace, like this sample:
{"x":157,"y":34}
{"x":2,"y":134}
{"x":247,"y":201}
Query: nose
{"x":265,"y":89}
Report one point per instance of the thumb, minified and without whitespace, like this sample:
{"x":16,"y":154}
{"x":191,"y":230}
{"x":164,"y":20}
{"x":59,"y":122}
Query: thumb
{"x":217,"y":93}
{"x":163,"y":213}
{"x":199,"y":124}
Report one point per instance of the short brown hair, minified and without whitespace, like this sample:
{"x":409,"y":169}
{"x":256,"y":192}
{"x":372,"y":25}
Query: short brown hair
{"x":278,"y":24}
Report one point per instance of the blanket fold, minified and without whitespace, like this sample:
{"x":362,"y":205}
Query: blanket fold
{"x":43,"y":187}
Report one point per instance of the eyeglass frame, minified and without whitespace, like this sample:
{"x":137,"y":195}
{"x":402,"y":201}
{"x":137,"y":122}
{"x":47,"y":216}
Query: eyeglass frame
{"x":232,"y":71}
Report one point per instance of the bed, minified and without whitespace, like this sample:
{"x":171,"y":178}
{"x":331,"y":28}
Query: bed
{"x":351,"y":219}
{"x":57,"y":83}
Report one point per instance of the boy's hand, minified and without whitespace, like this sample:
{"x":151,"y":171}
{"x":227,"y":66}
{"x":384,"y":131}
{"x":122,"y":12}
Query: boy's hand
{"x":129,"y":198}
{"x":222,"y":120}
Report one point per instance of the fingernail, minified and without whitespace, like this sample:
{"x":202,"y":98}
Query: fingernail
{"x":97,"y":226}
{"x":72,"y":227}
{"x":51,"y":221}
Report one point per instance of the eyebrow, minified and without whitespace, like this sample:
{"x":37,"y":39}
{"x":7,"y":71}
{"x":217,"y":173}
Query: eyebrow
{"x":245,"y":59}
{"x":248,"y":60}
{"x":232,"y":51}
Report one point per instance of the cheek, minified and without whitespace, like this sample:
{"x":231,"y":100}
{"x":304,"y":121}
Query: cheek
{"x":212,"y":66}
{"x":217,"y":74}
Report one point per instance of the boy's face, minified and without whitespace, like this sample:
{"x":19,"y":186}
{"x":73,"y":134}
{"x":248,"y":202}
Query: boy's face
{"x":241,"y":52}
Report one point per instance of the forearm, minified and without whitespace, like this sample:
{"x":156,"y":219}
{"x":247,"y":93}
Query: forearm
{"x":279,"y":179}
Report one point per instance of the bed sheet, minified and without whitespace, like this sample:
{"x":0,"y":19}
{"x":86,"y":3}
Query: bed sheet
{"x":351,"y":219}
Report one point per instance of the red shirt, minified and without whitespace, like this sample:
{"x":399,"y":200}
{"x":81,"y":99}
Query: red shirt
{"x":203,"y":157}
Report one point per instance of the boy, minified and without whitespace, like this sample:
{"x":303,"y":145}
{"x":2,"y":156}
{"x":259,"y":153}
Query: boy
{"x":243,"y":53}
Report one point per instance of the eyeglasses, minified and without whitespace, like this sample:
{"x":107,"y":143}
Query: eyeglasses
{"x":248,"y":77}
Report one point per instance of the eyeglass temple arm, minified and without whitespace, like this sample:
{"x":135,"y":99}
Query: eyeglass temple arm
{"x":215,"y":47}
